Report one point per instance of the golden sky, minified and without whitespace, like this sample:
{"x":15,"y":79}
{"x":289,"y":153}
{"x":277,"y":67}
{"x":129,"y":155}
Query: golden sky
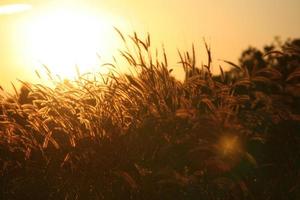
{"x":62,"y":33}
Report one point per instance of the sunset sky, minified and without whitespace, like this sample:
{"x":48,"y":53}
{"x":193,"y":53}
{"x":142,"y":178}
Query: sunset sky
{"x":62,"y":33}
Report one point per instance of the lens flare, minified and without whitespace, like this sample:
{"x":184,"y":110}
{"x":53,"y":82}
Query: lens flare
{"x":230,"y":145}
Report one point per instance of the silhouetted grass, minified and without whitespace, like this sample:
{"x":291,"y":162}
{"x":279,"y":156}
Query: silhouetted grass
{"x":146,"y":135}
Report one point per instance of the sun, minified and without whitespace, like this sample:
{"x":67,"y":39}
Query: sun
{"x":65,"y":38}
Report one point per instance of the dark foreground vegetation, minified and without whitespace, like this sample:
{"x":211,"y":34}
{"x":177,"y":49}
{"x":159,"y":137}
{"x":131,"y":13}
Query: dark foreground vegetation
{"x":148,"y":136}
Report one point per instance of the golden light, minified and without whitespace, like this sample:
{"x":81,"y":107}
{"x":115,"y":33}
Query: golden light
{"x":229,"y":145}
{"x":63,"y":39}
{"x":14,"y":8}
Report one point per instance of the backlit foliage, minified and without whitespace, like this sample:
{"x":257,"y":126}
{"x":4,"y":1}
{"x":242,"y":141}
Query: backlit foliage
{"x":146,"y":135}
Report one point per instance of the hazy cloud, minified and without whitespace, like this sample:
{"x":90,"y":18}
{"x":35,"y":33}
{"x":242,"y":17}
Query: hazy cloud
{"x":8,"y":9}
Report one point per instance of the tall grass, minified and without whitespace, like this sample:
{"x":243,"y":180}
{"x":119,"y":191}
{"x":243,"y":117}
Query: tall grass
{"x":146,"y":135}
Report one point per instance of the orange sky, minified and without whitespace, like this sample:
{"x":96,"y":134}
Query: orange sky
{"x":228,"y":25}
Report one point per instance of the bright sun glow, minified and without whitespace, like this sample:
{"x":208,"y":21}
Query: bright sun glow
{"x":63,"y":39}
{"x":14,"y":8}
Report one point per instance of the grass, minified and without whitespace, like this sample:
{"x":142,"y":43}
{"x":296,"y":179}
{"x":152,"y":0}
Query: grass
{"x":146,"y":135}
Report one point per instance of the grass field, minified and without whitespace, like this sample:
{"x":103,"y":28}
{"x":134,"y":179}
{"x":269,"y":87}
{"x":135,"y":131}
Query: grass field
{"x":146,"y":135}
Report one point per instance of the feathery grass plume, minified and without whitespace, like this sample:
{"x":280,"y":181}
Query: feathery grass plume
{"x":146,"y":135}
